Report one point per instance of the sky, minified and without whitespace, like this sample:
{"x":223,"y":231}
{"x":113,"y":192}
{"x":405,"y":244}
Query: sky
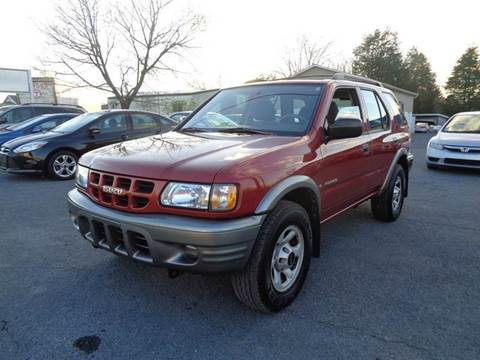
{"x":245,"y":38}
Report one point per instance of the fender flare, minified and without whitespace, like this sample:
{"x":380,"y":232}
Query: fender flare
{"x":401,"y":152}
{"x":277,"y":192}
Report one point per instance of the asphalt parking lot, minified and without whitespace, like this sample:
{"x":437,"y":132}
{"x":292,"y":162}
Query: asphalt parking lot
{"x":406,"y":290}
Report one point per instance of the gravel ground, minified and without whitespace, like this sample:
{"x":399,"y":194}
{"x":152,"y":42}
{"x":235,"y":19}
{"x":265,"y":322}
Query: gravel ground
{"x":406,"y":290}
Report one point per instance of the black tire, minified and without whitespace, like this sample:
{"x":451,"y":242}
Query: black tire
{"x":254,"y":286}
{"x":51,"y":166}
{"x":382,"y":205}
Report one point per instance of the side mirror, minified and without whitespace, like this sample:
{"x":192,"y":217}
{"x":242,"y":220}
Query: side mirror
{"x":94,"y":131}
{"x":37,"y":129}
{"x":2,"y":120}
{"x":345,"y":128}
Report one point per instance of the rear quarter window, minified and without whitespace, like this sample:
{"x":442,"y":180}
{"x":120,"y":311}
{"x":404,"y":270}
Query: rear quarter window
{"x":394,"y":106}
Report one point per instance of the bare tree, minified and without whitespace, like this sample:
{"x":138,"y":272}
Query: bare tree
{"x":304,"y":54}
{"x":115,"y":47}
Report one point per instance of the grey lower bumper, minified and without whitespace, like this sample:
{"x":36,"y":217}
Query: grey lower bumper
{"x":177,"y":242}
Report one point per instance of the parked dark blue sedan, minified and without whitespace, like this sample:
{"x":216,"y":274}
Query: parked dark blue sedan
{"x":34,"y":125}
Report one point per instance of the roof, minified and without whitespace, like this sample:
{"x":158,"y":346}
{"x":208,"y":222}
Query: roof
{"x":333,"y":72}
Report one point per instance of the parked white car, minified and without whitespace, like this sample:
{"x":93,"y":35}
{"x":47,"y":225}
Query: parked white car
{"x":457,"y":143}
{"x":421,"y":127}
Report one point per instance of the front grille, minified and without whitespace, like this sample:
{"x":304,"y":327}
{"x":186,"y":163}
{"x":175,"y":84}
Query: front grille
{"x":462,"y":149}
{"x":124,"y":192}
{"x":462,"y":162}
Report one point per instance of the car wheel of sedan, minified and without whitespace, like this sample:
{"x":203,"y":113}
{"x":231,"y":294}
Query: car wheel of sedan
{"x":62,"y":165}
{"x":279,"y":262}
{"x":388,"y":205}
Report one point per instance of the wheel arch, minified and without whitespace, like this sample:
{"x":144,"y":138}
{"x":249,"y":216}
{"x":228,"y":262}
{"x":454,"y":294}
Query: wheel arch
{"x":56,"y":151}
{"x":303,"y":191}
{"x":401,"y":158}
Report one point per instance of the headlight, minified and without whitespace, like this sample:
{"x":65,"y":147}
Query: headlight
{"x":192,"y":196}
{"x":224,"y":197}
{"x":30,"y":146}
{"x":435,"y":145}
{"x":81,"y":177}
{"x":195,"y":196}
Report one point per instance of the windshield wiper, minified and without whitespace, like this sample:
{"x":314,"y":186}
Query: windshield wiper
{"x":233,"y":130}
{"x":195,"y":129}
{"x":243,"y":130}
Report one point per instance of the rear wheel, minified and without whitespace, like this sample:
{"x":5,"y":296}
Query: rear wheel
{"x":62,"y":165}
{"x":279,"y":262}
{"x":388,"y":205}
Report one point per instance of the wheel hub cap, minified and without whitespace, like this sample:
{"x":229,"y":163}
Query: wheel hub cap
{"x":397,"y":194}
{"x":287,"y":258}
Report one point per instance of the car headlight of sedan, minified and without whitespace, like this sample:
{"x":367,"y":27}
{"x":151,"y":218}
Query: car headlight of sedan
{"x":81,"y":177}
{"x":31,"y":146}
{"x":201,"y":197}
{"x":435,"y":145}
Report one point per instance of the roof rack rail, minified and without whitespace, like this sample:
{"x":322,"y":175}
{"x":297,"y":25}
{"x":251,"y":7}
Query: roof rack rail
{"x":52,"y":104}
{"x":351,"y":77}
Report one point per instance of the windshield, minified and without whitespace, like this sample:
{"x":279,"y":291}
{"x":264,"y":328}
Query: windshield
{"x":78,"y":122}
{"x":283,"y":109}
{"x":464,"y":123}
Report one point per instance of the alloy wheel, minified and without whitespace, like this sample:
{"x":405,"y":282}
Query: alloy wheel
{"x":64,"y":166}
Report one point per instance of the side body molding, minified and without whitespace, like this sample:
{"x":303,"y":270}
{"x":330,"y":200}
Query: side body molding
{"x":272,"y":198}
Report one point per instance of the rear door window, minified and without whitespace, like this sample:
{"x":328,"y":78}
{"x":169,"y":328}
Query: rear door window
{"x":144,"y":122}
{"x":377,"y":115}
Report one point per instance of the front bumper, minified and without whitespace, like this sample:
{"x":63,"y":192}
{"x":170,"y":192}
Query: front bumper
{"x":176,"y":242}
{"x":444,"y":158}
{"x":21,"y":163}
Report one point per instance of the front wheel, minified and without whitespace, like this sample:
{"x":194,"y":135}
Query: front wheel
{"x":62,"y":165}
{"x":279,"y":262}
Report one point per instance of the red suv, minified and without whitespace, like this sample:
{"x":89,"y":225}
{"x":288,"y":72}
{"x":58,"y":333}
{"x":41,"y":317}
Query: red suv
{"x":243,"y":184}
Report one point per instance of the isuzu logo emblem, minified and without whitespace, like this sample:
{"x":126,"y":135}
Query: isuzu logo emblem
{"x":465,"y":149}
{"x":112,"y":190}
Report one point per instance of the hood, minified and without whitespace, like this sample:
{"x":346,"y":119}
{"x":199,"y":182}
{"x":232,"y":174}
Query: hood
{"x":459,"y":139}
{"x":28,"y":138}
{"x":180,"y":156}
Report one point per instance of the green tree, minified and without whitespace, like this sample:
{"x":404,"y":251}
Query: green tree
{"x":463,"y":86}
{"x":422,"y":80}
{"x":379,"y":57}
